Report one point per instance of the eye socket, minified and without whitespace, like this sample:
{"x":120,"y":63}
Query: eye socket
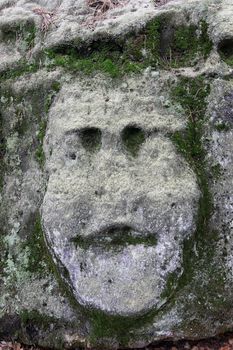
{"x":91,"y":139}
{"x":132,"y":138}
{"x":225,"y":48}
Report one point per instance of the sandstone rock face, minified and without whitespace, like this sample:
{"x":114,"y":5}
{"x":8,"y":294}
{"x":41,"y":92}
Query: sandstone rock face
{"x":116,"y":172}
{"x":101,"y":191}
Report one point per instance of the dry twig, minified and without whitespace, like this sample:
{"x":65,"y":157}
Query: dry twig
{"x":48,"y":17}
{"x":10,"y":346}
{"x":100,"y":8}
{"x":161,"y":2}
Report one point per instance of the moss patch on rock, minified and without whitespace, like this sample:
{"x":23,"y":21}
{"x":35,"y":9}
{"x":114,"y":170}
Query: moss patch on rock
{"x":189,"y":44}
{"x":2,"y":152}
{"x":159,"y":44}
{"x":41,"y":321}
{"x":38,"y":327}
{"x":202,"y":272}
{"x":37,"y":259}
{"x":119,"y":240}
{"x":185,"y":45}
{"x":39,"y":154}
{"x":191,"y":94}
{"x":21,"y":68}
{"x":200,"y":249}
{"x":24,"y":32}
{"x":2,"y":252}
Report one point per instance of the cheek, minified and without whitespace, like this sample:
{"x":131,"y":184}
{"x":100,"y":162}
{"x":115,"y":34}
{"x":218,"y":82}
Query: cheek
{"x":67,"y":215}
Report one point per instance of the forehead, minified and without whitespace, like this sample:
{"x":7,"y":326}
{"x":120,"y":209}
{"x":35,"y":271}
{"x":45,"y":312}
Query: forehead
{"x":112,"y":106}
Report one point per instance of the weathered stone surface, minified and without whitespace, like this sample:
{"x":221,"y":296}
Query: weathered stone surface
{"x":116,"y":172}
{"x":106,"y":195}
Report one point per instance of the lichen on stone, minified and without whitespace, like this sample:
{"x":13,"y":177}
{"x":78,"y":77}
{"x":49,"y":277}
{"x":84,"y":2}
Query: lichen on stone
{"x":115,"y":172}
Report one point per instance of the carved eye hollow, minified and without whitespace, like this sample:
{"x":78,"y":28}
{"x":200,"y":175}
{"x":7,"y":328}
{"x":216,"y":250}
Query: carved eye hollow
{"x":132,"y":138}
{"x":91,"y":139}
{"x":225,"y":48}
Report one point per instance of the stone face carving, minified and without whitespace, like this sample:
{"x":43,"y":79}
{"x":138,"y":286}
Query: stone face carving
{"x":132,"y":229}
{"x":120,"y":200}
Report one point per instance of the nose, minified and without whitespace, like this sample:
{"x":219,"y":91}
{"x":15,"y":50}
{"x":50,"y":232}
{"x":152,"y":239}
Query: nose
{"x":117,"y":184}
{"x":137,"y":192}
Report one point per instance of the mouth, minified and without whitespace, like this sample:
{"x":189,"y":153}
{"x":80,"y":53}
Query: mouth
{"x":115,"y":236}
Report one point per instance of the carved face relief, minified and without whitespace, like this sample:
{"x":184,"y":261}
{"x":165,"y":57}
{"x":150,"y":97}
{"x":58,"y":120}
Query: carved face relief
{"x":120,"y":199}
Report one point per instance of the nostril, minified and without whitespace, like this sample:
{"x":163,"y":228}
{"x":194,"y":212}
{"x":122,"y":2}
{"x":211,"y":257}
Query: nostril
{"x":137,"y":205}
{"x":100,"y":192}
{"x":72,"y":155}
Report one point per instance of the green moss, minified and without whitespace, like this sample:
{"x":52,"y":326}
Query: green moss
{"x":39,"y":153}
{"x":132,"y":138}
{"x":222,"y":127}
{"x":2,"y":153}
{"x":205,"y":43}
{"x":200,"y":249}
{"x":131,"y":67}
{"x":34,"y":323}
{"x":30,"y":36}
{"x":102,"y":325}
{"x":168,"y":46}
{"x":119,"y":328}
{"x":40,"y":156}
{"x":115,"y":241}
{"x":54,"y":89}
{"x":37,"y":250}
{"x":96,"y":61}
{"x":192,"y":94}
{"x":40,"y":261}
{"x":56,"y":86}
{"x":187,"y":44}
{"x":110,"y":327}
{"x":21,"y":68}
{"x":216,"y":171}
{"x":171,"y":286}
{"x":35,"y":318}
{"x":229,"y":60}
{"x":134,"y":47}
{"x":107,"y":57}
{"x":136,"y":52}
{"x":24,"y":32}
{"x":2,"y":252}
{"x":153,"y":40}
{"x":159,"y":44}
{"x":22,"y":124}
